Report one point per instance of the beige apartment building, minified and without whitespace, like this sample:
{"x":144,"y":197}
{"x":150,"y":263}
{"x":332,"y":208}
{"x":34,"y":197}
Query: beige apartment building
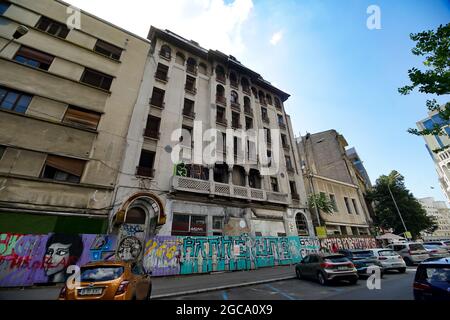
{"x":327,"y":169}
{"x":186,"y":91}
{"x":66,"y":100}
{"x":440,"y":212}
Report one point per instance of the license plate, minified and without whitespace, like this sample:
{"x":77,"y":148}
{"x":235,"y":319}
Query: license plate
{"x":342,"y":268}
{"x":90,"y":291}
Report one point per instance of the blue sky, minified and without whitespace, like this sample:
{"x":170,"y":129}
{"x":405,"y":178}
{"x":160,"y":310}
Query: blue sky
{"x":341,"y":75}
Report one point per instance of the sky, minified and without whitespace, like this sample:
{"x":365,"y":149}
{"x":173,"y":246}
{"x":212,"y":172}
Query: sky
{"x":340,"y":74}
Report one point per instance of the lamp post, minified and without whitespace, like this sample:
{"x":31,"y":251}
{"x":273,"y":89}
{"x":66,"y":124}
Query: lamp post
{"x":19,"y":33}
{"x":395,"y":203}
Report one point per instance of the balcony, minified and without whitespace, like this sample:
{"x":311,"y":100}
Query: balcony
{"x":221,"y":79}
{"x":221,"y":100}
{"x":189,"y":114}
{"x":286,"y":147}
{"x":145,"y":172}
{"x":247,"y":91}
{"x":160,"y":76}
{"x":221,"y":121}
{"x":165,"y":55}
{"x":262,"y":101}
{"x":236,"y":106}
{"x":248,"y":111}
{"x":282,"y":125}
{"x":157,"y":103}
{"x":234,"y":84}
{"x":151,"y":133}
{"x":190,"y":89}
{"x":227,"y":190}
{"x":191,"y":69}
{"x":236,"y":125}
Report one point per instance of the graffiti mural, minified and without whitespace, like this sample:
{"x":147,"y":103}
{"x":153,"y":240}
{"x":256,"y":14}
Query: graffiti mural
{"x":162,"y":255}
{"x":131,"y":242}
{"x":336,"y":243}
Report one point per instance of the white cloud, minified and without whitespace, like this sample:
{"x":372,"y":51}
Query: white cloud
{"x":276,"y":37}
{"x":212,"y":23}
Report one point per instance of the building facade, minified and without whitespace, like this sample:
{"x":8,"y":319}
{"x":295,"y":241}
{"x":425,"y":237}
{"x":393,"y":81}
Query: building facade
{"x":327,"y":169}
{"x":440,"y":159}
{"x":66,"y":100}
{"x":172,"y":183}
{"x":441,"y":213}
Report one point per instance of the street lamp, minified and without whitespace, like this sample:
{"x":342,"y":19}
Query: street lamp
{"x":19,"y":33}
{"x":395,"y":203}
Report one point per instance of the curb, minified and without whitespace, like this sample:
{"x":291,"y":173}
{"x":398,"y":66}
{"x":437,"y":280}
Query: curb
{"x":189,"y":292}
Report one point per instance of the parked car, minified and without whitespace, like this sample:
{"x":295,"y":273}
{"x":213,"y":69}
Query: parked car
{"x":432,"y":280}
{"x":436,"y":251}
{"x":389,"y":259}
{"x":445,"y":244}
{"x":411,"y":252}
{"x":110,"y":281}
{"x":362,"y":259}
{"x":326,"y":267}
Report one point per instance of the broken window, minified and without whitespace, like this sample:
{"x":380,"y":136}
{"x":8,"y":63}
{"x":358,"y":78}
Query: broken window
{"x":63,"y":169}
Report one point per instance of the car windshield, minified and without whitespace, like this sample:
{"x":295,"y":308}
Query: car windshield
{"x":362,"y":254}
{"x":387,"y":253}
{"x":438,"y":274}
{"x":335,"y":259}
{"x":431,"y":246}
{"x":416,"y":246}
{"x":103,"y":273}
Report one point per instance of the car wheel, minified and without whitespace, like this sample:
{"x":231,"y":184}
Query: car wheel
{"x":402,"y":270}
{"x":321,"y":279}
{"x":299,"y":274}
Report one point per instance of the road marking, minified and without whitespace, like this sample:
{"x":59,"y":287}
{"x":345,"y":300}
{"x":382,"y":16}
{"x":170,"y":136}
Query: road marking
{"x":284,"y":294}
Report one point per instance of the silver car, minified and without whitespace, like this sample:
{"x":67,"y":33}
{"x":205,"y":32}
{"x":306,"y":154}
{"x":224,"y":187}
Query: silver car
{"x":436,"y":251}
{"x":389,"y":259}
{"x":412,"y":252}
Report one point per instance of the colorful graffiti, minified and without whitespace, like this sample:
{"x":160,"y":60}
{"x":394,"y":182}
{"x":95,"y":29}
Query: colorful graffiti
{"x":337,"y":243}
{"x":31,"y":259}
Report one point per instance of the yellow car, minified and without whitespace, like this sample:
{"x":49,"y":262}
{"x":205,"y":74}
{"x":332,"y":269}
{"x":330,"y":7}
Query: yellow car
{"x":107,"y":280}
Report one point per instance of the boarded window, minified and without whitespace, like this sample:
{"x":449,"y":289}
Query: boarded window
{"x":81,"y":117}
{"x":14,"y":100}
{"x":63,"y":169}
{"x":97,"y":79}
{"x":53,"y":27}
{"x":34,"y":58}
{"x":108,"y":50}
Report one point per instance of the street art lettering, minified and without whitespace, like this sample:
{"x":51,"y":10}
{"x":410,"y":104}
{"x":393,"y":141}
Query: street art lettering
{"x":162,"y":255}
{"x":336,"y":243}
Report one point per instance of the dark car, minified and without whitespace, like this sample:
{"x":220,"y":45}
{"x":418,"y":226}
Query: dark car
{"x":432,"y":281}
{"x":362,"y":259}
{"x":326,"y":268}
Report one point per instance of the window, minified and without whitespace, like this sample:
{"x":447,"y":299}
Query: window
{"x":269,"y":158}
{"x":235,"y":120}
{"x":108,"y":50}
{"x":258,"y":234}
{"x":157,"y":97}
{"x":161,"y":72}
{"x":355,"y":206}
{"x":268,"y":137}
{"x":269,"y":99}
{"x":234,"y":98}
{"x":302,"y":224}
{"x":289,"y":163}
{"x":63,"y":169}
{"x":81,"y":117}
{"x":14,"y":100}
{"x":180,"y":58}
{"x":188,"y":109}
{"x":165,"y":52}
{"x":248,"y":123}
{"x":277,"y":103}
{"x":96,"y":79}
{"x":152,"y":127}
{"x":333,"y":201}
{"x":245,"y":85}
{"x":220,"y":74}
{"x":3,"y":7}
{"x":52,"y":27}
{"x":347,"y":204}
{"x":187,"y":137}
{"x":284,"y":142}
{"x":34,"y":58}
{"x":220,"y":94}
{"x":281,"y":121}
{"x":188,"y":225}
{"x":217,"y":223}
{"x":233,"y":80}
{"x":146,"y":162}
{"x":220,"y":116}
{"x":262,"y":98}
{"x":202,"y":68}
{"x":293,"y":188}
{"x":190,"y":84}
{"x":264,"y":114}
{"x":191,"y":66}
{"x":274,"y":184}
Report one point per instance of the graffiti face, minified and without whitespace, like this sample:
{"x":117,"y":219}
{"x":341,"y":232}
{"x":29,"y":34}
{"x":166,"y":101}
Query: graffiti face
{"x":56,"y":258}
{"x":129,"y":249}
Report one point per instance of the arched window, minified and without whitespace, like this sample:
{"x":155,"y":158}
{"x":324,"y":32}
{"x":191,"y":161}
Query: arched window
{"x":277,"y":103}
{"x":220,"y":94}
{"x":245,"y":85}
{"x":302,"y":224}
{"x":180,"y":58}
{"x":191,"y":65}
{"x":247,"y":103}
{"x":234,"y":97}
{"x":135,"y":215}
{"x":220,"y":73}
{"x":262,"y":97}
{"x":255,"y":92}
{"x":269,"y":99}
{"x":238,"y":176}
{"x":233,"y":80}
{"x":203,"y":69}
{"x":254,"y":179}
{"x":165,"y":52}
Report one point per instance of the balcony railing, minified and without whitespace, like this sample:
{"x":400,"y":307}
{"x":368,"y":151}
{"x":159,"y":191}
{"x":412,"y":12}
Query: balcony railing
{"x":282,"y":125}
{"x":236,"y":125}
{"x":236,"y":106}
{"x":191,"y":69}
{"x":189,"y":114}
{"x":234,"y":84}
{"x":248,"y":111}
{"x":157,"y":103}
{"x":164,"y":54}
{"x":228,"y":190}
{"x":161,"y":76}
{"x":151,"y":133}
{"x":191,"y":89}
{"x":221,"y":100}
{"x":221,"y":121}
{"x":145,"y":172}
{"x":246,"y":90}
{"x":221,"y":78}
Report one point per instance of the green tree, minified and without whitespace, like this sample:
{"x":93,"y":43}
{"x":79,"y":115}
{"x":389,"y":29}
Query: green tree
{"x":386,"y":215}
{"x":434,"y":46}
{"x":320,"y":202}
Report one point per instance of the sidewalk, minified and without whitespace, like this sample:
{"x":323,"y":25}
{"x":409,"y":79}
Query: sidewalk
{"x":164,"y":287}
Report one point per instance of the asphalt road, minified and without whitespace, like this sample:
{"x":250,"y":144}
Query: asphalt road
{"x":394,"y":286}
